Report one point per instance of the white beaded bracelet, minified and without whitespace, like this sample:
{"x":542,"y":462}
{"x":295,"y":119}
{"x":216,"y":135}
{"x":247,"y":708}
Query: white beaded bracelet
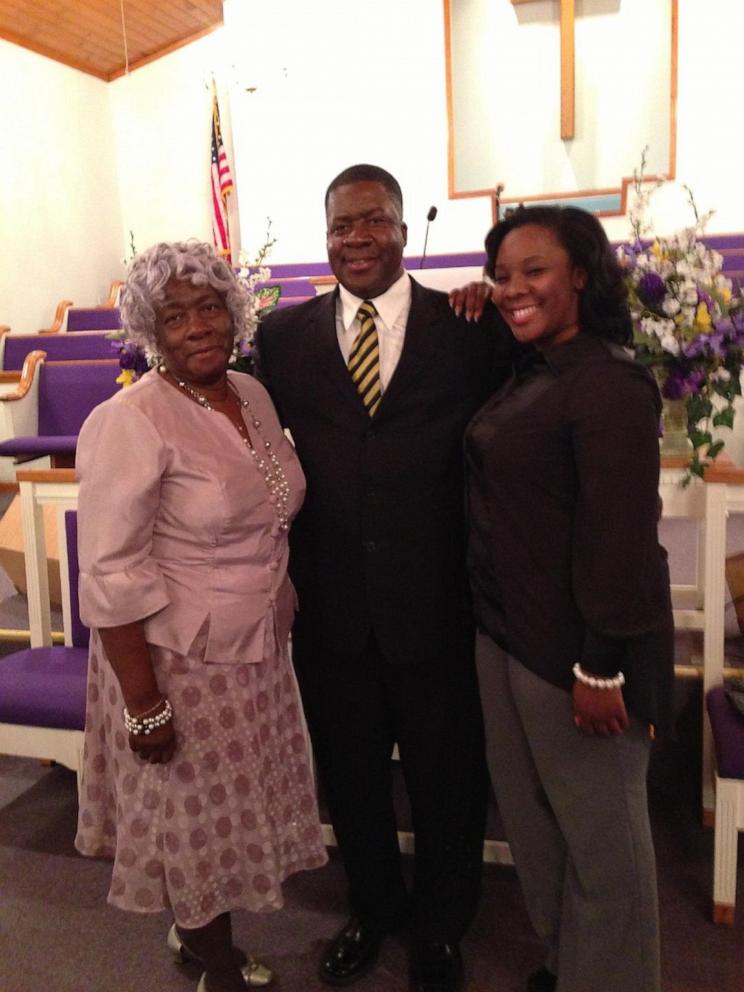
{"x":146,"y":724}
{"x":596,"y":683}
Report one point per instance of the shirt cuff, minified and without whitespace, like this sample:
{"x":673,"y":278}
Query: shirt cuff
{"x":601,"y":655}
{"x":122,"y":597}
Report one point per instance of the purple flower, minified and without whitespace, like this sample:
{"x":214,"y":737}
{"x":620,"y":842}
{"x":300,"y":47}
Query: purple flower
{"x":132,"y":357}
{"x":677,"y":384}
{"x":703,"y":297}
{"x":652,"y":289}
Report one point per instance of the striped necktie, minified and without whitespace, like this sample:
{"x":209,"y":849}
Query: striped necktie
{"x":364,"y":360}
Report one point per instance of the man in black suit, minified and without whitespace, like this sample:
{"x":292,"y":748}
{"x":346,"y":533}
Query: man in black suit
{"x":383,"y":643}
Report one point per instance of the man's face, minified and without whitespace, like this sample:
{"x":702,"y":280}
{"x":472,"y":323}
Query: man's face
{"x":365,"y":238}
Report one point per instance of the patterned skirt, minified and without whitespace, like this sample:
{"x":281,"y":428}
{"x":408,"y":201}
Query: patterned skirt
{"x":229,"y":818}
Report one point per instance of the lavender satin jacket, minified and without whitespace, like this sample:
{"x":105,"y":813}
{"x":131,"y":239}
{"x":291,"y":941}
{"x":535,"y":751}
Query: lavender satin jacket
{"x":176,"y":524}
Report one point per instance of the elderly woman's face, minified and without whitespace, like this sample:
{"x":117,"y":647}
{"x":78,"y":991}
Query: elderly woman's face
{"x":194,"y":332}
{"x":537,"y":287}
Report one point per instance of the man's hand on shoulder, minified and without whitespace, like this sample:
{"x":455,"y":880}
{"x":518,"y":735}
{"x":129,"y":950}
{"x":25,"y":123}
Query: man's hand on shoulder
{"x":469,"y":301}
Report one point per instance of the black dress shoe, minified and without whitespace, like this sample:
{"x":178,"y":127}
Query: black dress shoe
{"x":542,"y":980}
{"x":352,"y":953}
{"x":437,"y":967}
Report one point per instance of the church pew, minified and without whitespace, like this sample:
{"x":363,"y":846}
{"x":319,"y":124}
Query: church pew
{"x":43,"y":416}
{"x":73,"y":345}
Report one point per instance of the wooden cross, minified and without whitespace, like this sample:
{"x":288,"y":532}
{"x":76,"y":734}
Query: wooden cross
{"x":568,"y":20}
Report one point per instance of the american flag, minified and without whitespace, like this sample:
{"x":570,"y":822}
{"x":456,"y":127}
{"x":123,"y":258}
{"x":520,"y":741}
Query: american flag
{"x":222,"y":184}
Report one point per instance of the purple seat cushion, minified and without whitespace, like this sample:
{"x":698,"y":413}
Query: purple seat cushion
{"x":728,"y":734}
{"x":44,"y":687}
{"x":39,"y":446}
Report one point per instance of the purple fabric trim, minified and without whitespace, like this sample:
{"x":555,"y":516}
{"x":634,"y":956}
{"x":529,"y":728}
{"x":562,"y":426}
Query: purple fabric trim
{"x":291,"y":287}
{"x":80,"y":633}
{"x":44,"y":687}
{"x":300,"y":269}
{"x":290,"y":301}
{"x":728,"y":734}
{"x":93,"y":319}
{"x":38,"y":446}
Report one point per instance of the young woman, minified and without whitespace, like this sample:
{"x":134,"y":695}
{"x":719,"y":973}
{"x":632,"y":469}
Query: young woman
{"x":572,"y":597}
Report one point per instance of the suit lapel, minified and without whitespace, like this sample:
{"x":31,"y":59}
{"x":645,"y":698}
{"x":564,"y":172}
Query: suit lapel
{"x":419,"y":339}
{"x":328,"y":357}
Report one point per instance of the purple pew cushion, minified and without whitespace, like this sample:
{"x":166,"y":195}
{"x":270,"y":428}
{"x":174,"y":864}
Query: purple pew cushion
{"x":728,"y":734}
{"x":93,"y":319}
{"x":37,"y":447}
{"x":58,"y":347}
{"x":44,"y":687}
{"x":67,"y":393}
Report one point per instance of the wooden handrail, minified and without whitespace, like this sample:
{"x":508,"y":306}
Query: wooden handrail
{"x":116,"y":285}
{"x":722,"y":470}
{"x":32,"y":361}
{"x":62,"y":307}
{"x":9,"y":376}
{"x":4,"y":329}
{"x":46,"y":475}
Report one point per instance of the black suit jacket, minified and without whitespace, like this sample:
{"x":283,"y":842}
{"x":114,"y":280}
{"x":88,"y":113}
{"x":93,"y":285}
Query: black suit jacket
{"x":379,"y":543}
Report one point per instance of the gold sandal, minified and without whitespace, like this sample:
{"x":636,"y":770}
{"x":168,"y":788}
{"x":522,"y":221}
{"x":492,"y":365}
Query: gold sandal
{"x":255,"y":974}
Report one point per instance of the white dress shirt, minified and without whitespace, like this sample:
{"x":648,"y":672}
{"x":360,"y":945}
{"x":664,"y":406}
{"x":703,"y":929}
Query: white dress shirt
{"x":393,"y":307}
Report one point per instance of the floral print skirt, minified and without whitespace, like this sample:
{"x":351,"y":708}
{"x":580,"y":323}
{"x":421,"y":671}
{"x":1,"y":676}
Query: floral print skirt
{"x":229,"y":818}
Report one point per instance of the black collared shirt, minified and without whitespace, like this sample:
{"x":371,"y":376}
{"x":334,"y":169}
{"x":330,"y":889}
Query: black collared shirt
{"x":565,"y":564}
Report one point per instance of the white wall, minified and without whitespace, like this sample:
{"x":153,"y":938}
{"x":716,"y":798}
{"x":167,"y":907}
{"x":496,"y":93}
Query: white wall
{"x":162,"y":117}
{"x":341,"y":82}
{"x":334,"y":83}
{"x":60,"y":231}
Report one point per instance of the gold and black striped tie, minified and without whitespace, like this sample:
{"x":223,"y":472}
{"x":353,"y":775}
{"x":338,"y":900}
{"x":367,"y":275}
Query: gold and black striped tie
{"x":364,"y":360}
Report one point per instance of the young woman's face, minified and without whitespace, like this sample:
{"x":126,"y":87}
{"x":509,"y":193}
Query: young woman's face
{"x":537,"y":287}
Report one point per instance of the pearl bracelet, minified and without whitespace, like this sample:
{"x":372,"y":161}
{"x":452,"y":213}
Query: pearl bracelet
{"x":146,"y":724}
{"x":596,"y":683}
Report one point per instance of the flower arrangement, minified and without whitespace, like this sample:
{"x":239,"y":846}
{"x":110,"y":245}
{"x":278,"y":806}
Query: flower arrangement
{"x":688,"y":323}
{"x":134,"y":361}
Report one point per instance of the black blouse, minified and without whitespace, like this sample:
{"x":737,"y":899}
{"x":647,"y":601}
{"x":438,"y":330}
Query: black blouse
{"x":565,"y":564}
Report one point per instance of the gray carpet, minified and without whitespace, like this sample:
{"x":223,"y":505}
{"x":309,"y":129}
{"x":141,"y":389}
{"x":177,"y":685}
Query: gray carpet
{"x":57,"y":933}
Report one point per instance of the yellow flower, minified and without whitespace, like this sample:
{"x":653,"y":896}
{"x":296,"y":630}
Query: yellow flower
{"x":126,"y":378}
{"x":702,"y":318}
{"x":726,"y":294}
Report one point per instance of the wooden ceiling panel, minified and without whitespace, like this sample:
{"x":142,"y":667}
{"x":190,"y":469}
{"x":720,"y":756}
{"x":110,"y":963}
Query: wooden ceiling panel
{"x":88,"y":35}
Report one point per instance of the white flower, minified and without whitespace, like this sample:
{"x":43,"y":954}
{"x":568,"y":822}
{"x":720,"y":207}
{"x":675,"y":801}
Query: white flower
{"x":671,"y":306}
{"x":669,"y":344}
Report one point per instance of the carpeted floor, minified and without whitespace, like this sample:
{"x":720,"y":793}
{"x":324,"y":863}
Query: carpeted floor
{"x":57,"y":933}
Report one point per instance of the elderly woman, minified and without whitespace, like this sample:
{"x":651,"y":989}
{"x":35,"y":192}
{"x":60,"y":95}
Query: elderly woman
{"x":571,"y":588}
{"x":197,"y":779}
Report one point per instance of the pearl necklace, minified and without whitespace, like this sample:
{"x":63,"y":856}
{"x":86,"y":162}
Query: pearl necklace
{"x":267,"y":464}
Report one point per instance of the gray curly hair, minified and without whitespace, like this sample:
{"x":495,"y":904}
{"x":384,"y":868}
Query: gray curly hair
{"x":143,"y":293}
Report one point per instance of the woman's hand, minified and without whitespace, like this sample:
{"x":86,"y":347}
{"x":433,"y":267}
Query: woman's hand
{"x":157,"y":747}
{"x":599,"y":711}
{"x":470,"y":299}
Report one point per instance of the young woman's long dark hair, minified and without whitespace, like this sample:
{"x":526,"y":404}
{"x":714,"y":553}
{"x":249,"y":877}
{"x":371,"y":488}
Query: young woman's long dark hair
{"x":603,"y":303}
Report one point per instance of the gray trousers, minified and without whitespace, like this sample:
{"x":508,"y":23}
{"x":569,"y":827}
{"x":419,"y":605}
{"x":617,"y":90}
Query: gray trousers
{"x":576,"y":817}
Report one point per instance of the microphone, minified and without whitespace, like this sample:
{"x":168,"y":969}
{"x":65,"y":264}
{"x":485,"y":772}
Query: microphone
{"x":429,"y":218}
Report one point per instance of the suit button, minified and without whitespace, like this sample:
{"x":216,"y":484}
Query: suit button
{"x":371,"y":493}
{"x":369,"y":546}
{"x":369,"y":435}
